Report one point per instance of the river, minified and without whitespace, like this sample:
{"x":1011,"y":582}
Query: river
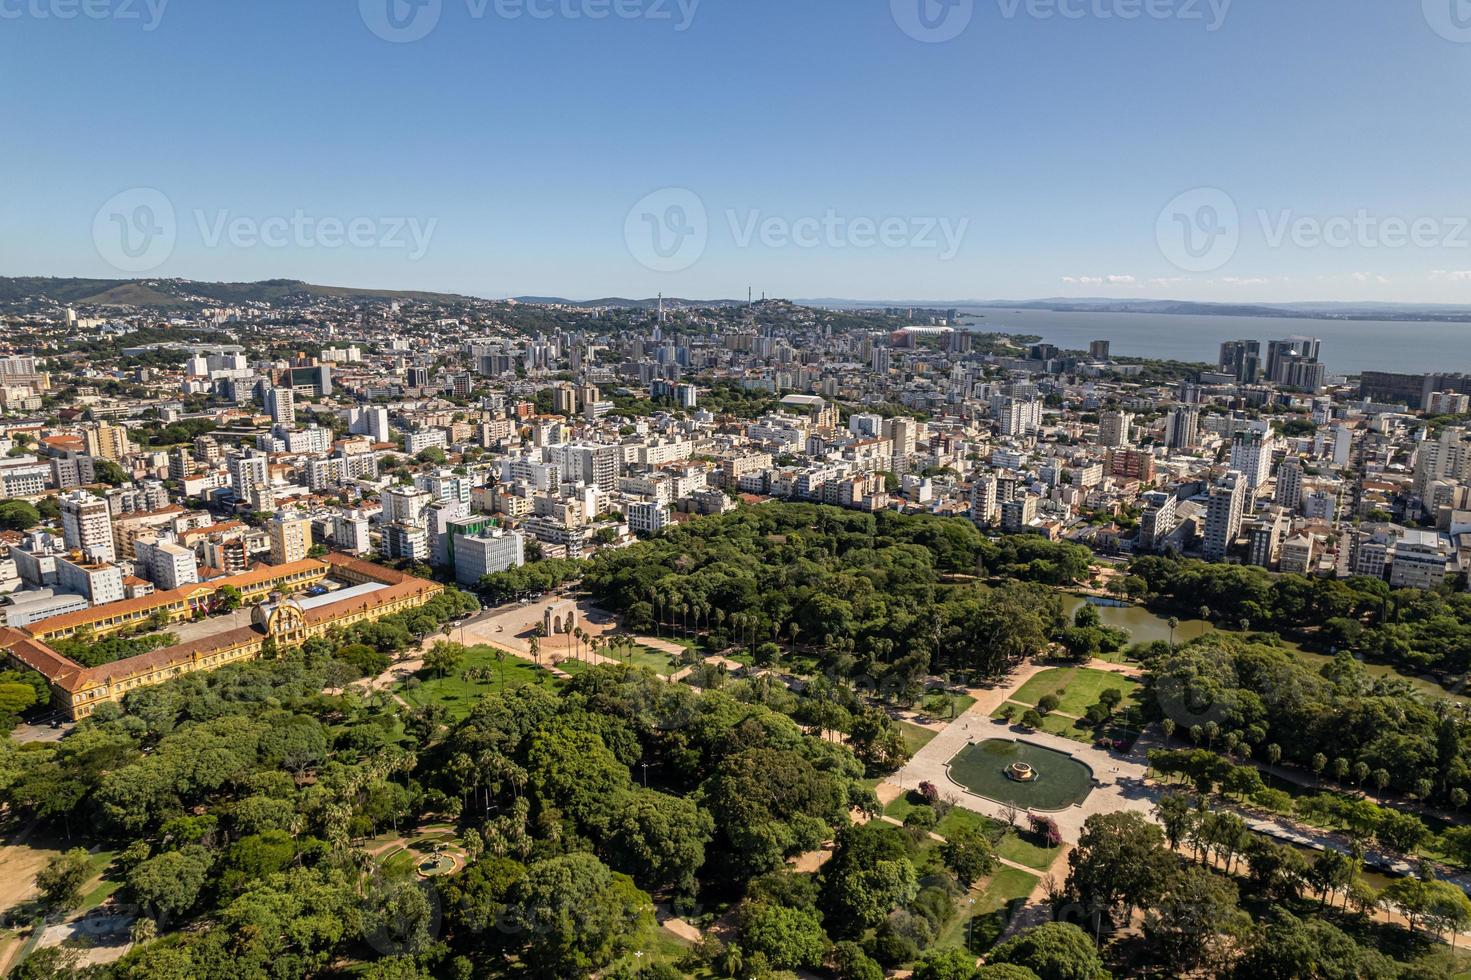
{"x":1349,"y":346}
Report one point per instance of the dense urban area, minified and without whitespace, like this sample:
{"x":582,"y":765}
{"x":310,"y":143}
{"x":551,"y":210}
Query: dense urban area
{"x":397,"y":636}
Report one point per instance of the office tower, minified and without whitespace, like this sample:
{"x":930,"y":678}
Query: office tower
{"x":1283,"y":354}
{"x":881,"y":360}
{"x":1242,"y":359}
{"x":1223,"y":516}
{"x":1289,"y":483}
{"x":1182,"y":427}
{"x":484,"y":554}
{"x":291,"y":537}
{"x":86,"y":525}
{"x":281,"y":405}
{"x":1115,"y":429}
{"x":1098,"y":350}
{"x":1251,"y":455}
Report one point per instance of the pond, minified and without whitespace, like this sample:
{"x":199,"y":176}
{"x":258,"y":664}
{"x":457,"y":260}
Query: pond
{"x":1060,"y":781}
{"x":1145,"y":627}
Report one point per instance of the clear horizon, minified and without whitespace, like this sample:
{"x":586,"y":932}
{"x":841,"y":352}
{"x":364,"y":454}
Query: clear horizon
{"x":1186,"y":150}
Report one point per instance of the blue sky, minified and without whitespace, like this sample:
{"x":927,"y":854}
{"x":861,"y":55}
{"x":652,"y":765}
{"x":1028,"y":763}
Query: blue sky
{"x":1252,"y":150}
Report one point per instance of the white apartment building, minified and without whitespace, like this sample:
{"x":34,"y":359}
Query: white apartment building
{"x":86,"y":525}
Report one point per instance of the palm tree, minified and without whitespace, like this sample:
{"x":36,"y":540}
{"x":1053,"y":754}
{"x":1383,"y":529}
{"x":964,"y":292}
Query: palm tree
{"x":1172,"y":623}
{"x":536,"y":646}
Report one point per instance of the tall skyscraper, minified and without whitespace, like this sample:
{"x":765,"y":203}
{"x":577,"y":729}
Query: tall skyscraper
{"x":1223,"y":516}
{"x":1289,"y":483}
{"x":1282,"y":355}
{"x":1251,"y":455}
{"x":1242,"y":359}
{"x":1182,"y":427}
{"x":86,"y":525}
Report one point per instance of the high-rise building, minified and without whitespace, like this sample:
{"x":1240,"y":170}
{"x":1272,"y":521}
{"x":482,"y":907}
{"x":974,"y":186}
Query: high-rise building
{"x":108,"y":441}
{"x":1158,"y":521}
{"x":86,"y":525}
{"x":1115,"y":428}
{"x":1242,"y":359}
{"x":1098,"y":350}
{"x":484,"y":554}
{"x":281,"y":405}
{"x":291,"y":537}
{"x":1251,"y":455}
{"x":1182,"y":427}
{"x":1281,"y":354}
{"x":1223,"y":516}
{"x":1289,"y":483}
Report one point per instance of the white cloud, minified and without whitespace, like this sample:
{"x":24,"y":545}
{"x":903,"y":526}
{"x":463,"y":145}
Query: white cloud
{"x":1100,"y":280}
{"x":1451,"y":275}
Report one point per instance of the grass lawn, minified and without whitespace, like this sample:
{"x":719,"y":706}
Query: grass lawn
{"x":916,"y":737}
{"x":639,"y":655}
{"x":959,"y":819}
{"x":459,"y":695}
{"x":103,"y":889}
{"x":1014,"y":848}
{"x":1053,"y":724}
{"x":992,"y":898}
{"x":1076,"y":687}
{"x":932,"y":705}
{"x":900,"y":808}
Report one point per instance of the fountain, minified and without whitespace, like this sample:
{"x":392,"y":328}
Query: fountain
{"x":1021,"y":772}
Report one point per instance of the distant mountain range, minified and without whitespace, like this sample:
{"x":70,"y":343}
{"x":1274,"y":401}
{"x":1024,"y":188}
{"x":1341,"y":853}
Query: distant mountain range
{"x":165,"y":293}
{"x":1315,"y":311}
{"x":618,"y":302}
{"x":186,"y":292}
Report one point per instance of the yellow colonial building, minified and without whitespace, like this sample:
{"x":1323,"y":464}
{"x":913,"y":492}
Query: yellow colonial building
{"x":372,"y":592}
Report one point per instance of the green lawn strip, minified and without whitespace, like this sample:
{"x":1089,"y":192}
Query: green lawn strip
{"x":959,"y":819}
{"x":916,"y":737}
{"x":992,"y":896}
{"x":459,"y":695}
{"x":932,"y":706}
{"x":1076,"y":688}
{"x":1014,"y":848}
{"x":900,"y":807}
{"x":639,"y":655}
{"x":1053,"y":681}
{"x":104,"y":888}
